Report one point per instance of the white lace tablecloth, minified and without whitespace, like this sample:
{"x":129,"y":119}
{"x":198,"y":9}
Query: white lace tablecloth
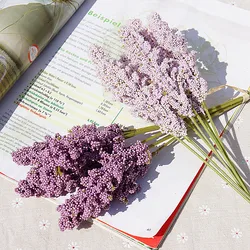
{"x":214,"y":217}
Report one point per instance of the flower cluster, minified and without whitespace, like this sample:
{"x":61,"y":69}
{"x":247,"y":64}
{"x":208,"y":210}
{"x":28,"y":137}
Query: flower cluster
{"x":60,"y":162}
{"x":157,"y":75}
{"x":96,"y":163}
{"x":115,"y":179}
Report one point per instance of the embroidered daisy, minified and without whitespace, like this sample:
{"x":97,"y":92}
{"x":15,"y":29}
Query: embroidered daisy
{"x":204,"y":210}
{"x":73,"y":246}
{"x":44,"y":224}
{"x":236,"y":233}
{"x":126,"y":244}
{"x":182,"y":237}
{"x":246,"y":160}
{"x":224,"y":184}
{"x":17,"y":203}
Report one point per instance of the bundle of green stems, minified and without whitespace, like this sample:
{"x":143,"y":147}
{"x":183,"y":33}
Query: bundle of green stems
{"x":203,"y":126}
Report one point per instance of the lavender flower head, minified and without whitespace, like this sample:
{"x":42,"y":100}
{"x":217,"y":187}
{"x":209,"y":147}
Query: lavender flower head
{"x":157,"y":75}
{"x":115,"y":179}
{"x":96,"y":163}
{"x":59,"y":163}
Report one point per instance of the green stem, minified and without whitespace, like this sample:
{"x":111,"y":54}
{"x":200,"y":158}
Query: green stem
{"x":134,"y":132}
{"x":202,"y":136}
{"x":214,"y":111}
{"x":155,"y":136}
{"x":205,"y":154}
{"x":160,"y":141}
{"x":163,"y":146}
{"x":219,"y":171}
{"x":226,"y":106}
{"x":222,"y":148}
{"x":218,"y":153}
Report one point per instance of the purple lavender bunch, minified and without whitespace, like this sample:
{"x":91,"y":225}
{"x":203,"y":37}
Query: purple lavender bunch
{"x":137,"y":165}
{"x":59,"y":163}
{"x":157,"y":75}
{"x":115,"y":179}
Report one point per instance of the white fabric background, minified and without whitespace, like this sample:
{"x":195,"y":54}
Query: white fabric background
{"x":213,"y":218}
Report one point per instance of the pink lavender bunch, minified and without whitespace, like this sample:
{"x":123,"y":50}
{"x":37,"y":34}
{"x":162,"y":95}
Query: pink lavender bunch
{"x":157,"y":75}
{"x":115,"y":179}
{"x":60,"y":161}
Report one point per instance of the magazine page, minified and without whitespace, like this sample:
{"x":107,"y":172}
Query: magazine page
{"x":26,"y":27}
{"x":61,"y":90}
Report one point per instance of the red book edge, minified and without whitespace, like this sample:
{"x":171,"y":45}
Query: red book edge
{"x":155,"y":241}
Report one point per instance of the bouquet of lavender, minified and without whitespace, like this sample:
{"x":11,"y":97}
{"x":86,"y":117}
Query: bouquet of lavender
{"x":95,"y":164}
{"x":59,"y":163}
{"x":158,"y":78}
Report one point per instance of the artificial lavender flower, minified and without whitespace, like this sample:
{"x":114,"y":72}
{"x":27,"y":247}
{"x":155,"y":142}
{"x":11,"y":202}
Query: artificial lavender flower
{"x":60,"y":161}
{"x":115,"y":179}
{"x":95,"y":162}
{"x":157,"y":75}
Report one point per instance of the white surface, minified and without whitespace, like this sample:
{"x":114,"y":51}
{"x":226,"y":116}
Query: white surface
{"x":225,"y":36}
{"x":216,"y":228}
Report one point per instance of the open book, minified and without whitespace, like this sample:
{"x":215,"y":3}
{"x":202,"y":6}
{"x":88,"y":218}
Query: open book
{"x":60,"y":88}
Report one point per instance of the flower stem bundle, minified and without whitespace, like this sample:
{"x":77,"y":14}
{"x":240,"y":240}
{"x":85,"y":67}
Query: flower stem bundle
{"x":97,"y":167}
{"x":158,"y":78}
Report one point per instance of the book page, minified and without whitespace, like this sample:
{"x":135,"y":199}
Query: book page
{"x":26,"y":27}
{"x":61,"y":90}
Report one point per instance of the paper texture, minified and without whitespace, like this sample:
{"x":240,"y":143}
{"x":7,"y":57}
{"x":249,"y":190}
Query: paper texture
{"x":26,"y":27}
{"x":61,"y":90}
